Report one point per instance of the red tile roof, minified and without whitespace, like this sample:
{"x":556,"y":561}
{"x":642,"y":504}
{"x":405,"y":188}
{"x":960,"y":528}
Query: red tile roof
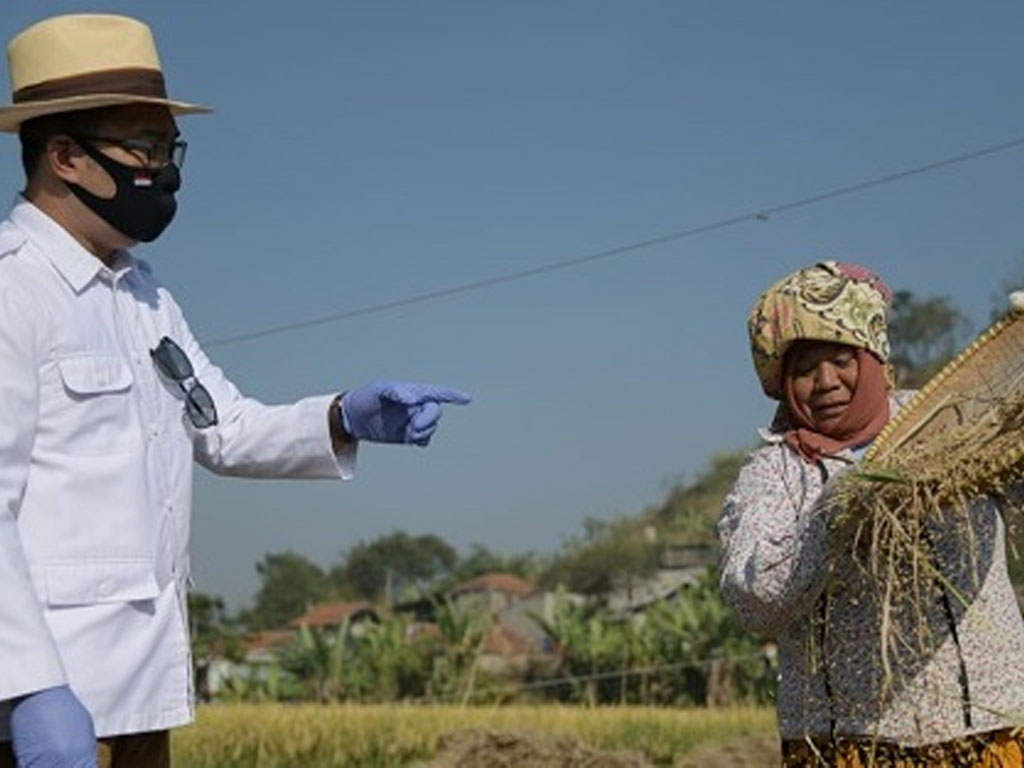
{"x":495,"y":582}
{"x":332,"y":614}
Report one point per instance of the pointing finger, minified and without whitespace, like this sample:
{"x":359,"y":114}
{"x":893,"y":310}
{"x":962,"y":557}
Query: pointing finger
{"x":415,"y":394}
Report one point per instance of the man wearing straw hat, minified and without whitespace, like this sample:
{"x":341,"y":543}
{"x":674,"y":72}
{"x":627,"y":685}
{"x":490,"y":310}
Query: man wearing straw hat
{"x":108,"y":399}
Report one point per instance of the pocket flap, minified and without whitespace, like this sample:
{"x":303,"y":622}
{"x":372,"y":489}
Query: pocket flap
{"x":99,"y":582}
{"x":93,"y":374}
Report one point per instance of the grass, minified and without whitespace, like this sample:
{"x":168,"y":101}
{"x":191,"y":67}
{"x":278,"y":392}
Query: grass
{"x":382,"y":736}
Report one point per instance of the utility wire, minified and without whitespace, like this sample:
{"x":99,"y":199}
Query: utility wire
{"x":615,"y":674}
{"x":762,"y":214}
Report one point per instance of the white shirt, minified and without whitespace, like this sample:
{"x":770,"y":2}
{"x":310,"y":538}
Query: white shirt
{"x":96,"y":476}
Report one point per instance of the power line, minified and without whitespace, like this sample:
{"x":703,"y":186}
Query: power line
{"x":762,"y":214}
{"x":614,"y":674}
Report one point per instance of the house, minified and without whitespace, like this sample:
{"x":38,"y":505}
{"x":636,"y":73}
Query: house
{"x":517,"y":639}
{"x":262,"y":650}
{"x":331,"y":616}
{"x":259,"y":652}
{"x":662,"y":585}
{"x":683,"y":566}
{"x":528,"y":616}
{"x":493,"y":592}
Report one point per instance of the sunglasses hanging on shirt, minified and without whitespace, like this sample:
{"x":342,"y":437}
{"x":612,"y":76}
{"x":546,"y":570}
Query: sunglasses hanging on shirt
{"x":173,"y":363}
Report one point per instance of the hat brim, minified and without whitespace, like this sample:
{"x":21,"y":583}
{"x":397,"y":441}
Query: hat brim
{"x":12,"y":116}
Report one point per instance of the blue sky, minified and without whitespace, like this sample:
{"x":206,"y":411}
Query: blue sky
{"x":364,"y":152}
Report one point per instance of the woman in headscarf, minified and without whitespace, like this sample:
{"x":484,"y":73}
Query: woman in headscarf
{"x":820,"y":347}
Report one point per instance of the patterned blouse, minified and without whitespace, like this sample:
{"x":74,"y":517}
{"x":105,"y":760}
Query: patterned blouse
{"x":773,"y":574}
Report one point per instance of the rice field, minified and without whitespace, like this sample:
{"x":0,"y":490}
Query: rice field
{"x":381,"y":736}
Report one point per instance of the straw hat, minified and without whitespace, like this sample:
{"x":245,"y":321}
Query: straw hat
{"x":83,"y":61}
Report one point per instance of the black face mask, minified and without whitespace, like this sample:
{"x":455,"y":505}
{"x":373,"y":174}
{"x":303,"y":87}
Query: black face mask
{"x":143,"y":204}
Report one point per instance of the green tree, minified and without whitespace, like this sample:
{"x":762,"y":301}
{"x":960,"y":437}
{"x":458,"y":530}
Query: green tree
{"x":689,"y":511}
{"x":462,"y":630}
{"x":592,"y":647}
{"x":391,"y":565}
{"x":616,"y":554}
{"x":259,"y":686}
{"x":319,"y":659}
{"x":481,"y":560}
{"x":388,"y":665}
{"x":212,"y":633}
{"x":708,"y":658}
{"x":289,"y":584}
{"x":924,"y":334}
{"x":208,"y":620}
{"x":1013,"y":281}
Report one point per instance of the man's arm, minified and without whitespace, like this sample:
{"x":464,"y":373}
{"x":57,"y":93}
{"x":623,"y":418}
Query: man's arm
{"x":29,"y":660}
{"x":315,"y":436}
{"x":253,"y":439}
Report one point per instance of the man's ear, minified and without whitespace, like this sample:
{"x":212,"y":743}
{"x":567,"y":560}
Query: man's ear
{"x":63,"y":157}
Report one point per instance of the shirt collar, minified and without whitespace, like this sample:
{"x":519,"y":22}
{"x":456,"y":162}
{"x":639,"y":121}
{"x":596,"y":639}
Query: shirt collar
{"x":74,"y":263}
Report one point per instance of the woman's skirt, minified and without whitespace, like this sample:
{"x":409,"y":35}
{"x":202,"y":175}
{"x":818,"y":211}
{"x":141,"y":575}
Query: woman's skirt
{"x":994,"y":749}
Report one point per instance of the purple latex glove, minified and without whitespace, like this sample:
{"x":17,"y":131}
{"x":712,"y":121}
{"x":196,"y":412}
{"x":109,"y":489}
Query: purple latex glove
{"x":396,"y":411}
{"x":51,"y":729}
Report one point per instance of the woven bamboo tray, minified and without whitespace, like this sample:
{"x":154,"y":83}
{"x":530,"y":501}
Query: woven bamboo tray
{"x":972,"y":405}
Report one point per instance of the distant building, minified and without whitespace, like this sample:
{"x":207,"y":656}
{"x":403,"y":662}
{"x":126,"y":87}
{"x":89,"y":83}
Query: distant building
{"x":526,"y":617}
{"x":493,"y":592}
{"x":259,"y":651}
{"x":330,"y":616}
{"x":682,"y":566}
{"x":517,"y":639}
{"x":662,"y":585}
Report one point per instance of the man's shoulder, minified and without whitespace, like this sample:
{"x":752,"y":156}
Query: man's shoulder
{"x":12,"y":240}
{"x":19,"y":270}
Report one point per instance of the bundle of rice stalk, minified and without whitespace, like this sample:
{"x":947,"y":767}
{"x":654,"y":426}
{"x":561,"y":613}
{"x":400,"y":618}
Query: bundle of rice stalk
{"x":907,"y":512}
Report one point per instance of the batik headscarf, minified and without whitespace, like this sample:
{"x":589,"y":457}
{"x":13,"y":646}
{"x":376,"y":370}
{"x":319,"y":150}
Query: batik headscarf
{"x":831,"y":301}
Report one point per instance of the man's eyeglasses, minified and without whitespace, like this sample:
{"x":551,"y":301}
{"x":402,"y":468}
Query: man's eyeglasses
{"x":175,"y":365}
{"x":154,"y":153}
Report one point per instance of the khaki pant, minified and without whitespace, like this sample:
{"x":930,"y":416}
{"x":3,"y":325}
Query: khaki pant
{"x":136,"y":750}
{"x":995,"y":749}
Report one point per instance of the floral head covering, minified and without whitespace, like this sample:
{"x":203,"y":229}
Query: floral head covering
{"x":831,"y":301}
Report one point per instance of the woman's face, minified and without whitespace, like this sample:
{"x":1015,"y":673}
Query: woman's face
{"x":823,"y":377}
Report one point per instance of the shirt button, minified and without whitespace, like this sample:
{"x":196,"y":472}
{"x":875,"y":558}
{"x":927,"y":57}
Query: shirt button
{"x":106,"y":588}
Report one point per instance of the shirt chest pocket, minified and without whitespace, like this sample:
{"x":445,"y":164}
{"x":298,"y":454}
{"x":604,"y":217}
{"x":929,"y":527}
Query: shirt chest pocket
{"x":97,"y":412}
{"x":88,"y":583}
